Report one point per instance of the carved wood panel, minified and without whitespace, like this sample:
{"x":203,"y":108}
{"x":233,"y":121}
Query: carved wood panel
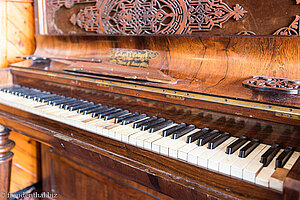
{"x":169,"y":17}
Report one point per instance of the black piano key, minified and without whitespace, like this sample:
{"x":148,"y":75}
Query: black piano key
{"x":169,"y":131}
{"x":117,"y":114}
{"x":102,"y":115}
{"x":160,"y":126}
{"x":50,"y":99}
{"x":83,"y":105}
{"x":246,"y":150}
{"x":218,"y":140}
{"x":76,"y":103}
{"x":96,"y":113}
{"x":81,"y":110}
{"x":208,"y":137}
{"x":30,"y":95}
{"x":95,"y":110}
{"x":236,"y":145}
{"x":133,"y":119}
{"x":268,"y":156}
{"x":181,"y":132}
{"x":121,"y":118}
{"x":284,"y":157}
{"x":62,"y":105}
{"x":195,"y":136}
{"x":147,"y":125}
{"x":61,"y":101}
{"x":140,"y":123}
{"x":43,"y":96}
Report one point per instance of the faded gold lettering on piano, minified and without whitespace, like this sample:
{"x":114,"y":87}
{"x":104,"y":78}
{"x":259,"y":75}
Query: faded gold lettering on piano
{"x":132,"y":58}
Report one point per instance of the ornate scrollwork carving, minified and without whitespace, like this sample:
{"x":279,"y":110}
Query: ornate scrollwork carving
{"x":133,"y":17}
{"x":293,"y":29}
{"x":273,"y":84}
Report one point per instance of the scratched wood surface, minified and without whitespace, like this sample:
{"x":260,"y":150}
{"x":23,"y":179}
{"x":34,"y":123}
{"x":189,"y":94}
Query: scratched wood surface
{"x":17,"y":30}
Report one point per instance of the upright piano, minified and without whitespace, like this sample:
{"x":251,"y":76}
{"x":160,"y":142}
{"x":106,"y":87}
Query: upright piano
{"x":160,"y":99}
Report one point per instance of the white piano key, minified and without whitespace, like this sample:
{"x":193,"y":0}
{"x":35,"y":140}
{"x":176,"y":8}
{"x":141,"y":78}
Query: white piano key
{"x":238,"y":166}
{"x":263,"y":177}
{"x":139,"y":137}
{"x":277,"y":178}
{"x":147,"y":144}
{"x":254,"y":167}
{"x":209,"y":153}
{"x":195,"y":153}
{"x":183,"y":151}
{"x":292,"y":160}
{"x":226,"y":162}
{"x":179,"y":143}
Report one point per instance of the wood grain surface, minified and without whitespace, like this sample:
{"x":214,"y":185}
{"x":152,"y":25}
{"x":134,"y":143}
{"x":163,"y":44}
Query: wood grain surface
{"x":17,"y":31}
{"x":25,"y":165}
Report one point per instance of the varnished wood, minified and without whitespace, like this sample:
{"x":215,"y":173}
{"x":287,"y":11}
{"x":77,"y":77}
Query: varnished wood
{"x":17,"y":30}
{"x":74,"y":179}
{"x":136,"y":164}
{"x":267,"y":132}
{"x":5,"y":161}
{"x":177,"y":17}
{"x":216,"y":66}
{"x":26,"y":163}
{"x":292,"y":183}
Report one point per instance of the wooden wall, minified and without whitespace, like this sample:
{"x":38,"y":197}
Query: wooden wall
{"x":16,"y":30}
{"x":25,"y":164}
{"x":16,"y":39}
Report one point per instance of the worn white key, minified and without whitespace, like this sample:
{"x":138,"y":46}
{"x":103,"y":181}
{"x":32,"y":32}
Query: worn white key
{"x":263,"y":177}
{"x":147,"y":143}
{"x":139,"y":137}
{"x":254,"y":167}
{"x":193,"y":155}
{"x":209,"y":153}
{"x":278,"y":177}
{"x":183,"y":151}
{"x":226,"y":162}
{"x":178,"y":143}
{"x":213,"y":162}
{"x":240,"y":164}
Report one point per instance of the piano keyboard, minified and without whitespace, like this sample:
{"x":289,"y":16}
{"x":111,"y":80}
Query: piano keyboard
{"x":241,"y":158}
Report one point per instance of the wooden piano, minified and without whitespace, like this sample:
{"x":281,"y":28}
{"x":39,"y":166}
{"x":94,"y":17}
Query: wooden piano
{"x":160,"y":99}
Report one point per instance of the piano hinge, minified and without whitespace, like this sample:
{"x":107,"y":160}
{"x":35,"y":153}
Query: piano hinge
{"x":291,"y":116}
{"x":175,"y":97}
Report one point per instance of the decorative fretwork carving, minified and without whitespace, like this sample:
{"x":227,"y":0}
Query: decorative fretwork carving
{"x":246,"y":33}
{"x":273,"y":84}
{"x":166,"y":16}
{"x":153,"y":16}
{"x":293,"y":29}
{"x":54,"y":5}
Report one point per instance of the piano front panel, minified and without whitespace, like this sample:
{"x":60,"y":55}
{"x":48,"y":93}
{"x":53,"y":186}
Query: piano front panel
{"x":68,"y":177}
